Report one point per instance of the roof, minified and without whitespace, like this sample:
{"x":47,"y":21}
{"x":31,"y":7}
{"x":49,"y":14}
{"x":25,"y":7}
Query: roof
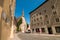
{"x":19,"y":18}
{"x":38,"y":6}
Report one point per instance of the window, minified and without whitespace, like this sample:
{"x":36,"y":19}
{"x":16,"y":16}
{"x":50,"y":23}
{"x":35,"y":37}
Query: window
{"x":40,"y":17}
{"x":57,"y":19}
{"x":36,"y":14}
{"x":52,"y":7}
{"x":41,"y":23}
{"x":34,"y":24}
{"x":32,"y":17}
{"x":37,"y":19}
{"x":45,"y":11}
{"x":46,"y":16}
{"x":57,"y":29}
{"x":37,"y":30}
{"x":54,"y":12}
{"x":40,"y":13}
{"x":47,"y":22}
{"x":34,"y":20}
{"x":38,"y":24}
{"x":43,"y":30}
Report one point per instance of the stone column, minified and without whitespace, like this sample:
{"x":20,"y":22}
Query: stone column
{"x":46,"y":30}
{"x":53,"y":30}
{"x":40,"y":30}
{"x":34,"y":31}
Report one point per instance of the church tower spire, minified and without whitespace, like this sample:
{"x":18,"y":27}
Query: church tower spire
{"x":23,"y":12}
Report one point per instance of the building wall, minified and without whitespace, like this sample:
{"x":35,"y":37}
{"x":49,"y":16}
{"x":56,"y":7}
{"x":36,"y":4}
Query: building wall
{"x":45,"y":16}
{"x":6,"y":18}
{"x":0,"y":20}
{"x":5,"y":33}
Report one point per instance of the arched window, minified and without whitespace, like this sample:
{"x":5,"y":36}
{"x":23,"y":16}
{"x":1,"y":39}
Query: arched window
{"x":46,"y":16}
{"x":52,"y":6}
{"x":54,"y":12}
{"x":57,"y":19}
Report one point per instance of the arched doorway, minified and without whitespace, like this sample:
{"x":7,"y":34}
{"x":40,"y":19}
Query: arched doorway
{"x":37,"y":30}
{"x":50,"y":30}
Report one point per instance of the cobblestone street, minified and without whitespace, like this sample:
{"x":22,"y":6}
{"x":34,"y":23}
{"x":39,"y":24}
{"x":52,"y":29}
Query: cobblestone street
{"x":24,"y":36}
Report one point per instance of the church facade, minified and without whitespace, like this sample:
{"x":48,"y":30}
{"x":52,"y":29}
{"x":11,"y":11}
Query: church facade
{"x":46,"y":18}
{"x":7,"y":8}
{"x":23,"y":25}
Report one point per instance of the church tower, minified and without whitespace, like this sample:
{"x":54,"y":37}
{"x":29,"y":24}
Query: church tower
{"x":23,"y":12}
{"x":23,"y":26}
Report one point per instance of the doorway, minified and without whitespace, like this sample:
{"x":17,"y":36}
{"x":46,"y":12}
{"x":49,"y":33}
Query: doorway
{"x":37,"y":30}
{"x":50,"y":30}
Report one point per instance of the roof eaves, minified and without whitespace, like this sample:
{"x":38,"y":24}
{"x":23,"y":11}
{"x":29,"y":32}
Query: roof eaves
{"x":38,"y":6}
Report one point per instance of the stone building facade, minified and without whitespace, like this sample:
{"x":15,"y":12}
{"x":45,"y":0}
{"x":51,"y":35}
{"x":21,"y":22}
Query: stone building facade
{"x":46,"y":18}
{"x":6,"y":8}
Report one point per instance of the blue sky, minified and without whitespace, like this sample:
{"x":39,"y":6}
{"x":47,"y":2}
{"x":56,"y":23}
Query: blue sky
{"x":28,"y":6}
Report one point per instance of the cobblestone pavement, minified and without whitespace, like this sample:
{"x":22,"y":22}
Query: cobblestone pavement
{"x":24,"y":36}
{"x":15,"y":37}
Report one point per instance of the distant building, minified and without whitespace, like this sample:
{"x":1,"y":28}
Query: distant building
{"x":28,"y":27}
{"x":23,"y":26}
{"x":7,"y":8}
{"x":46,"y":18}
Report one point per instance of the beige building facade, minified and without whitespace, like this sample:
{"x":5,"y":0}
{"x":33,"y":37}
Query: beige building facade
{"x":6,"y":8}
{"x":46,"y":18}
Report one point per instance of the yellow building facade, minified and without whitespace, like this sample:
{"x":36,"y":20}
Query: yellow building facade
{"x":7,"y":8}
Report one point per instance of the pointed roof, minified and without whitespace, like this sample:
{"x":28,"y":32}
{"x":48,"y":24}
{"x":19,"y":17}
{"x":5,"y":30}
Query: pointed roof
{"x":21,"y":16}
{"x":23,"y":12}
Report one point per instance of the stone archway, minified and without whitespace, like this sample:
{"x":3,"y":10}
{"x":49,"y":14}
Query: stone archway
{"x":37,"y":30}
{"x":50,"y":30}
